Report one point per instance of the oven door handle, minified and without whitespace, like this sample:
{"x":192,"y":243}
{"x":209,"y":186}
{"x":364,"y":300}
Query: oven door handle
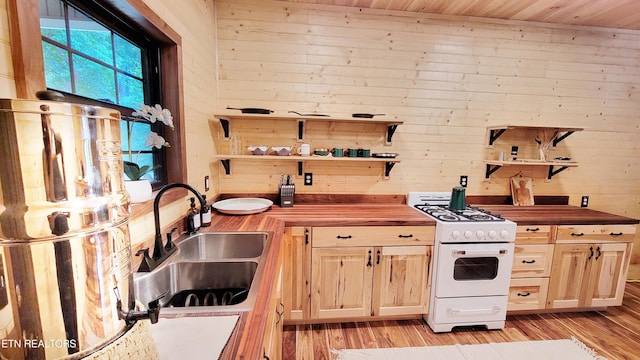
{"x":492,"y":310}
{"x":480,"y":252}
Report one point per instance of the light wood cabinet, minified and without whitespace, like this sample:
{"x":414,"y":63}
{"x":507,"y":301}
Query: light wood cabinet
{"x":297,"y":271}
{"x":531,"y":267}
{"x":341,"y":282}
{"x":272,"y":340}
{"x":385,"y":278}
{"x":401,"y":280}
{"x":589,"y":267}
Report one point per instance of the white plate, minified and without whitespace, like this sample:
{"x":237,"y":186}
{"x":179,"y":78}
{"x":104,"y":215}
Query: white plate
{"x":242,"y":206}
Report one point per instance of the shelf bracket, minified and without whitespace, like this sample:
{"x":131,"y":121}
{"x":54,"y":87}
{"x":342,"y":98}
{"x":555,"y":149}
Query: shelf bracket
{"x":561,"y":137}
{"x":490,"y":170}
{"x":301,"y":129}
{"x":225,"y":127}
{"x":227,"y":166}
{"x":494,"y":135}
{"x":391,"y":129}
{"x":553,"y":172}
{"x":388,"y":165}
{"x":300,"y":168}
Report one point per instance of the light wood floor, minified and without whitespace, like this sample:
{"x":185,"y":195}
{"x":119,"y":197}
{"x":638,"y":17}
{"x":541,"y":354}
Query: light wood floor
{"x":614,"y":333}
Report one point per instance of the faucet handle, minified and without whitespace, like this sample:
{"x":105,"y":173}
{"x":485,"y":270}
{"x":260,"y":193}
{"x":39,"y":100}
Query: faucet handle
{"x":147,"y":262}
{"x":170,"y":245}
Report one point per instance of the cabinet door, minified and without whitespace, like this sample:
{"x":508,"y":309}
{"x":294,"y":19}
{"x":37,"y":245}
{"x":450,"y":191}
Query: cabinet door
{"x":569,"y":275}
{"x":341,"y":282}
{"x":297,"y":268}
{"x":608,"y":274}
{"x":272,"y":341}
{"x":401,"y":277}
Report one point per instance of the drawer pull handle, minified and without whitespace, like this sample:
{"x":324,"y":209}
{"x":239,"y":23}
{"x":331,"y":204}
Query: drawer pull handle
{"x":525,"y":294}
{"x":616,"y":234}
{"x":528,"y":261}
{"x":577,"y":234}
{"x":405,"y":236}
{"x":343,"y":237}
{"x":533,"y":230}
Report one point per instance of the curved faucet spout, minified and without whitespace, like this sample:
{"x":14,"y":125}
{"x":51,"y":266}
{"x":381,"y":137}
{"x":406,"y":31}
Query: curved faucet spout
{"x":159,"y":252}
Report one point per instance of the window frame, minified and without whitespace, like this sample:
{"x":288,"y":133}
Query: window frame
{"x":28,"y":67}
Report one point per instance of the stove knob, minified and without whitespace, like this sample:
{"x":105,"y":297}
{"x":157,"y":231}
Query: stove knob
{"x":504,"y":234}
{"x":455,"y":234}
{"x":480,"y":234}
{"x":492,"y":234}
{"x":468,"y":234}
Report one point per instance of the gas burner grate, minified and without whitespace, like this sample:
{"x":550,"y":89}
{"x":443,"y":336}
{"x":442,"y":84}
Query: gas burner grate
{"x":443,"y":213}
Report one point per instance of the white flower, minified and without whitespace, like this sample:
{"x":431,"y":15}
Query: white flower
{"x":163,"y":115}
{"x":155,"y":140}
{"x":155,"y":113}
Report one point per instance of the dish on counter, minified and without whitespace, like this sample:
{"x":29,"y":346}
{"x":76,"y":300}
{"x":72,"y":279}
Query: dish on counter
{"x":242,"y":206}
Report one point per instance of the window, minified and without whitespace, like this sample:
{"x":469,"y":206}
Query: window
{"x":28,"y":68}
{"x":87,"y":59}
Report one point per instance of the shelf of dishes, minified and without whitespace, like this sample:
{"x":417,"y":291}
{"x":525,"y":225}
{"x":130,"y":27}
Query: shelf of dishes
{"x":389,"y":160}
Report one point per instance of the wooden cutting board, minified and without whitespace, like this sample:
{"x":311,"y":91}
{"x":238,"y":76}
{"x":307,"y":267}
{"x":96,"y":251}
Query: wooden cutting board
{"x":522,"y":190}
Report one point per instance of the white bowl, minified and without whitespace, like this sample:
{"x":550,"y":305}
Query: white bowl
{"x":282,"y":150}
{"x":258,"y":150}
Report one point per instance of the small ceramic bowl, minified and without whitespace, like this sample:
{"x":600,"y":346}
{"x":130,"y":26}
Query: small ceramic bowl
{"x":258,"y":150}
{"x":282,"y":150}
{"x":321,"y":152}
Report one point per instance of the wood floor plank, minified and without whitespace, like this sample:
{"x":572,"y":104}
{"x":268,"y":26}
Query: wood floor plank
{"x":614,"y":333}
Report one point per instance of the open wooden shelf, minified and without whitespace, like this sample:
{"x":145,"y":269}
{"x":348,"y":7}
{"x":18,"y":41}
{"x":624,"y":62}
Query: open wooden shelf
{"x":495,"y":131}
{"x":554,"y":166}
{"x":225,"y":118}
{"x":226,"y":160}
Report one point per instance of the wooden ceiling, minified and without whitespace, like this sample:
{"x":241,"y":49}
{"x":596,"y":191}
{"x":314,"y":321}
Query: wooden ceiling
{"x":621,"y":14}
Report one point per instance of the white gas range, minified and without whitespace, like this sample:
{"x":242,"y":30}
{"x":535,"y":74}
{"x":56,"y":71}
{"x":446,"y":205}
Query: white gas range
{"x":473,"y":256}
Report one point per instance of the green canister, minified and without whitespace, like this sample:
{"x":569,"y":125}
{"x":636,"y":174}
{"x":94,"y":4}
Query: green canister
{"x":458,"y":202}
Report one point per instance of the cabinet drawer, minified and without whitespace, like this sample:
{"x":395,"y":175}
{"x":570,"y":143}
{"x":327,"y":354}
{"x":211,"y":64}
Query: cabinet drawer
{"x":372,"y":236}
{"x":599,"y":233}
{"x":534,"y":234}
{"x":532,"y":260}
{"x":528,"y":294}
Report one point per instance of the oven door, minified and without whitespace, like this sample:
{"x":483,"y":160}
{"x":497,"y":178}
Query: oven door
{"x":473,"y":269}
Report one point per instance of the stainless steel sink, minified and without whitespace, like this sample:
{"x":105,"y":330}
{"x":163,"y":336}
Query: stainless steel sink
{"x":194,"y":285}
{"x":222,"y":245}
{"x":217,"y":271}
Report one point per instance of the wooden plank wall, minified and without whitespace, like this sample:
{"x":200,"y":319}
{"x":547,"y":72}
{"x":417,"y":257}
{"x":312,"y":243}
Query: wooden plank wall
{"x":447,"y":78}
{"x":7,"y":79}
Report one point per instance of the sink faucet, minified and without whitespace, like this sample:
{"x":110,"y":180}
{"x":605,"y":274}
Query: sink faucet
{"x":161,"y":252}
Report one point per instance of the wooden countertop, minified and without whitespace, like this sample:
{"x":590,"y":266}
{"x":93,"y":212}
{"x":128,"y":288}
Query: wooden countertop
{"x":556,"y":215}
{"x":245,"y":343}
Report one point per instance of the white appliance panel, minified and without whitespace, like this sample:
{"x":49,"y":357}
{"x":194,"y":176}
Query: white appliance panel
{"x":447,"y":286}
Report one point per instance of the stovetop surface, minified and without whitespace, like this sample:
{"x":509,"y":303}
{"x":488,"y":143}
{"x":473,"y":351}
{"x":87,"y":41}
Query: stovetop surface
{"x":469,"y":214}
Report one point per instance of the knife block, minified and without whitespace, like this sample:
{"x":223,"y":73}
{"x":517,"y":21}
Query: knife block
{"x":287,"y":193}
